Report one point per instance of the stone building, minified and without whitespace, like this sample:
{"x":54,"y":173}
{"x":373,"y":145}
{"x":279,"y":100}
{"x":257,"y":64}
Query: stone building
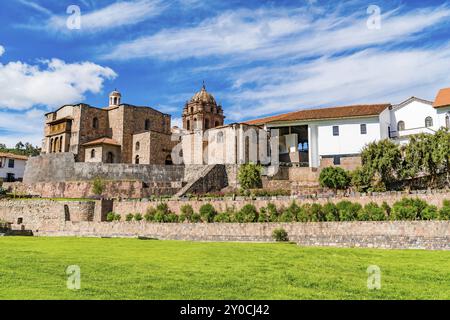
{"x":118,"y":133}
{"x":207,"y":141}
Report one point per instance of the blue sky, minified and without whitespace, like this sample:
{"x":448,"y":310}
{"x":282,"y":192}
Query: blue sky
{"x":257,"y":57}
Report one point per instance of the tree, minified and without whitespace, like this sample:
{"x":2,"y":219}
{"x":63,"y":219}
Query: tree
{"x":382,"y":160}
{"x":19,"y":145}
{"x":334,"y":178}
{"x":249,"y":176}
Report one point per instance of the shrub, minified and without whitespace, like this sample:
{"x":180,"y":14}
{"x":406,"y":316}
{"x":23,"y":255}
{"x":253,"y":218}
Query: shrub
{"x":430,"y":213}
{"x":129,"y":217}
{"x":150,"y":214}
{"x":348,"y":211}
{"x":334,"y":178}
{"x":98,"y":186}
{"x":207,"y":212}
{"x":304,"y":213}
{"x":372,"y":212}
{"x":163,"y":208}
{"x":138,"y":217}
{"x":444,"y":213}
{"x":171,"y":218}
{"x":160,"y":217}
{"x":330,"y":212}
{"x":223,"y":217}
{"x":182,"y":218}
{"x":272,"y":212}
{"x":280,"y":235}
{"x":387,"y":209}
{"x":361,"y":179}
{"x":2,"y":191}
{"x":263,"y":215}
{"x":196,"y":218}
{"x":187,"y":211}
{"x":247,"y":214}
{"x":290,"y":214}
{"x":249,"y":176}
{"x":408,"y":209}
{"x":112,"y":216}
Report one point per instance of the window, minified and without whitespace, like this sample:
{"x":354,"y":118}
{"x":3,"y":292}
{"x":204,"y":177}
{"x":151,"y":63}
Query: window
{"x":188,"y":125}
{"x":335,"y":130}
{"x":11,"y":163}
{"x":363,"y":129}
{"x":216,"y":124}
{"x":447,"y":121}
{"x":220,"y":137}
{"x":401,"y":126}
{"x":95,"y":123}
{"x":147,"y":125}
{"x":428,"y":122}
{"x":136,"y":161}
{"x":138,"y":146}
{"x":336,"y":160}
{"x":92,"y":153}
{"x":110,"y":158}
{"x":206,"y":124}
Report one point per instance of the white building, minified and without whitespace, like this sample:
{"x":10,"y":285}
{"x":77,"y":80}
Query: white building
{"x":12,"y":167}
{"x":336,"y":136}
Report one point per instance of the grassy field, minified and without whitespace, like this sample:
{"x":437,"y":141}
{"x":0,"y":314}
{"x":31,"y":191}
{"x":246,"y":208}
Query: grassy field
{"x":34,"y":268}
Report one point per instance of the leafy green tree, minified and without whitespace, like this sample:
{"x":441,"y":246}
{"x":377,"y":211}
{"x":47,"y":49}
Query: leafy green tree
{"x":382,"y":160}
{"x":249,"y":176}
{"x":335,"y":178}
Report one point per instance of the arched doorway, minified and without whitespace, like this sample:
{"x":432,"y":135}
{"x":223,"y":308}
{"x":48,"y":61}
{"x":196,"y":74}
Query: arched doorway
{"x":169,"y":161}
{"x":110,"y":157}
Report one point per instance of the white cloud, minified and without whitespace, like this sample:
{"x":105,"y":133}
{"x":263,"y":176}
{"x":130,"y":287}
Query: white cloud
{"x":370,"y":76}
{"x":271,"y":33}
{"x":2,"y":50}
{"x":177,"y":122}
{"x":36,"y":6}
{"x":118,"y":14}
{"x":52,"y":83}
{"x":24,"y":126}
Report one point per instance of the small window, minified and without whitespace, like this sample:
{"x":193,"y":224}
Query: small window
{"x":138,"y":146}
{"x":147,"y":125}
{"x":136,"y":161}
{"x":401,"y":126}
{"x":337,"y":160}
{"x":335,"y":130}
{"x":206,"y":124}
{"x":428,"y":122}
{"x":95,"y":123}
{"x":363,"y":129}
{"x":11,"y":163}
{"x":216,"y":124}
{"x":188,"y":125}
{"x":220,"y":137}
{"x":92,"y":153}
{"x":447,"y":121}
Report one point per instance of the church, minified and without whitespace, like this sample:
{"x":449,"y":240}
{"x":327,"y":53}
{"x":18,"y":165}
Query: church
{"x":314,"y":138}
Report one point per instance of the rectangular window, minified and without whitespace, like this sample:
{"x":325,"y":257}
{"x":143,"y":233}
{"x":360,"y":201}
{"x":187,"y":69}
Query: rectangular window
{"x":11,"y":163}
{"x":335,"y":130}
{"x":363,"y":129}
{"x":336,"y":160}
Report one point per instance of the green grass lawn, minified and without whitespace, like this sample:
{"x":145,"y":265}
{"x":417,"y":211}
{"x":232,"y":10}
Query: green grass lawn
{"x":34,"y":268}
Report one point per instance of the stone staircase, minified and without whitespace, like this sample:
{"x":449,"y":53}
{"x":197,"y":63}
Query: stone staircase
{"x":206,"y":179}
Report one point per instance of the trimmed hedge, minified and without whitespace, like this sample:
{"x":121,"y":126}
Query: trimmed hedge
{"x":408,"y":209}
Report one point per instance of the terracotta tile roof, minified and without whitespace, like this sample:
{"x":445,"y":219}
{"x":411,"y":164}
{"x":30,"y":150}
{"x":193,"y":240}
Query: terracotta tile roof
{"x":102,"y":141}
{"x":325,"y":113}
{"x":442,"y":98}
{"x":13,"y":156}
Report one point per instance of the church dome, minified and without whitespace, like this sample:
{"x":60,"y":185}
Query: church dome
{"x":115,"y":93}
{"x":204,"y":96}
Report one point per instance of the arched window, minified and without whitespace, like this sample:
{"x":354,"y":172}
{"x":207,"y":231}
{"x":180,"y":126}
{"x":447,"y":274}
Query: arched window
{"x":95,"y":123}
{"x":220,"y":137}
{"x":401,"y":126}
{"x":92,"y":153}
{"x":169,"y":161}
{"x":216,"y":124}
{"x":428,"y":122}
{"x":147,"y":125}
{"x":206,"y":124}
{"x":447,"y":121}
{"x":51,"y":146}
{"x":188,"y":125}
{"x":195,"y":125}
{"x":138,"y":146}
{"x":136,"y":160}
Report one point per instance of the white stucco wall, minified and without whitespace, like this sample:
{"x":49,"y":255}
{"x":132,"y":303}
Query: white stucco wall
{"x":414,"y":114}
{"x":18,"y":170}
{"x":441,"y":114}
{"x":350,"y":139}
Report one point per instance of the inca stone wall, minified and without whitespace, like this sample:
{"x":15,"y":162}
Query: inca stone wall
{"x":83,"y":219}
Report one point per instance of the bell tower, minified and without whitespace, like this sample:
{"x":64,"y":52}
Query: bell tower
{"x":202,"y":112}
{"x":114,"y":98}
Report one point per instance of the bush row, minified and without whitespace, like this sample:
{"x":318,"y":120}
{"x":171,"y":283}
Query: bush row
{"x":406,"y":209}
